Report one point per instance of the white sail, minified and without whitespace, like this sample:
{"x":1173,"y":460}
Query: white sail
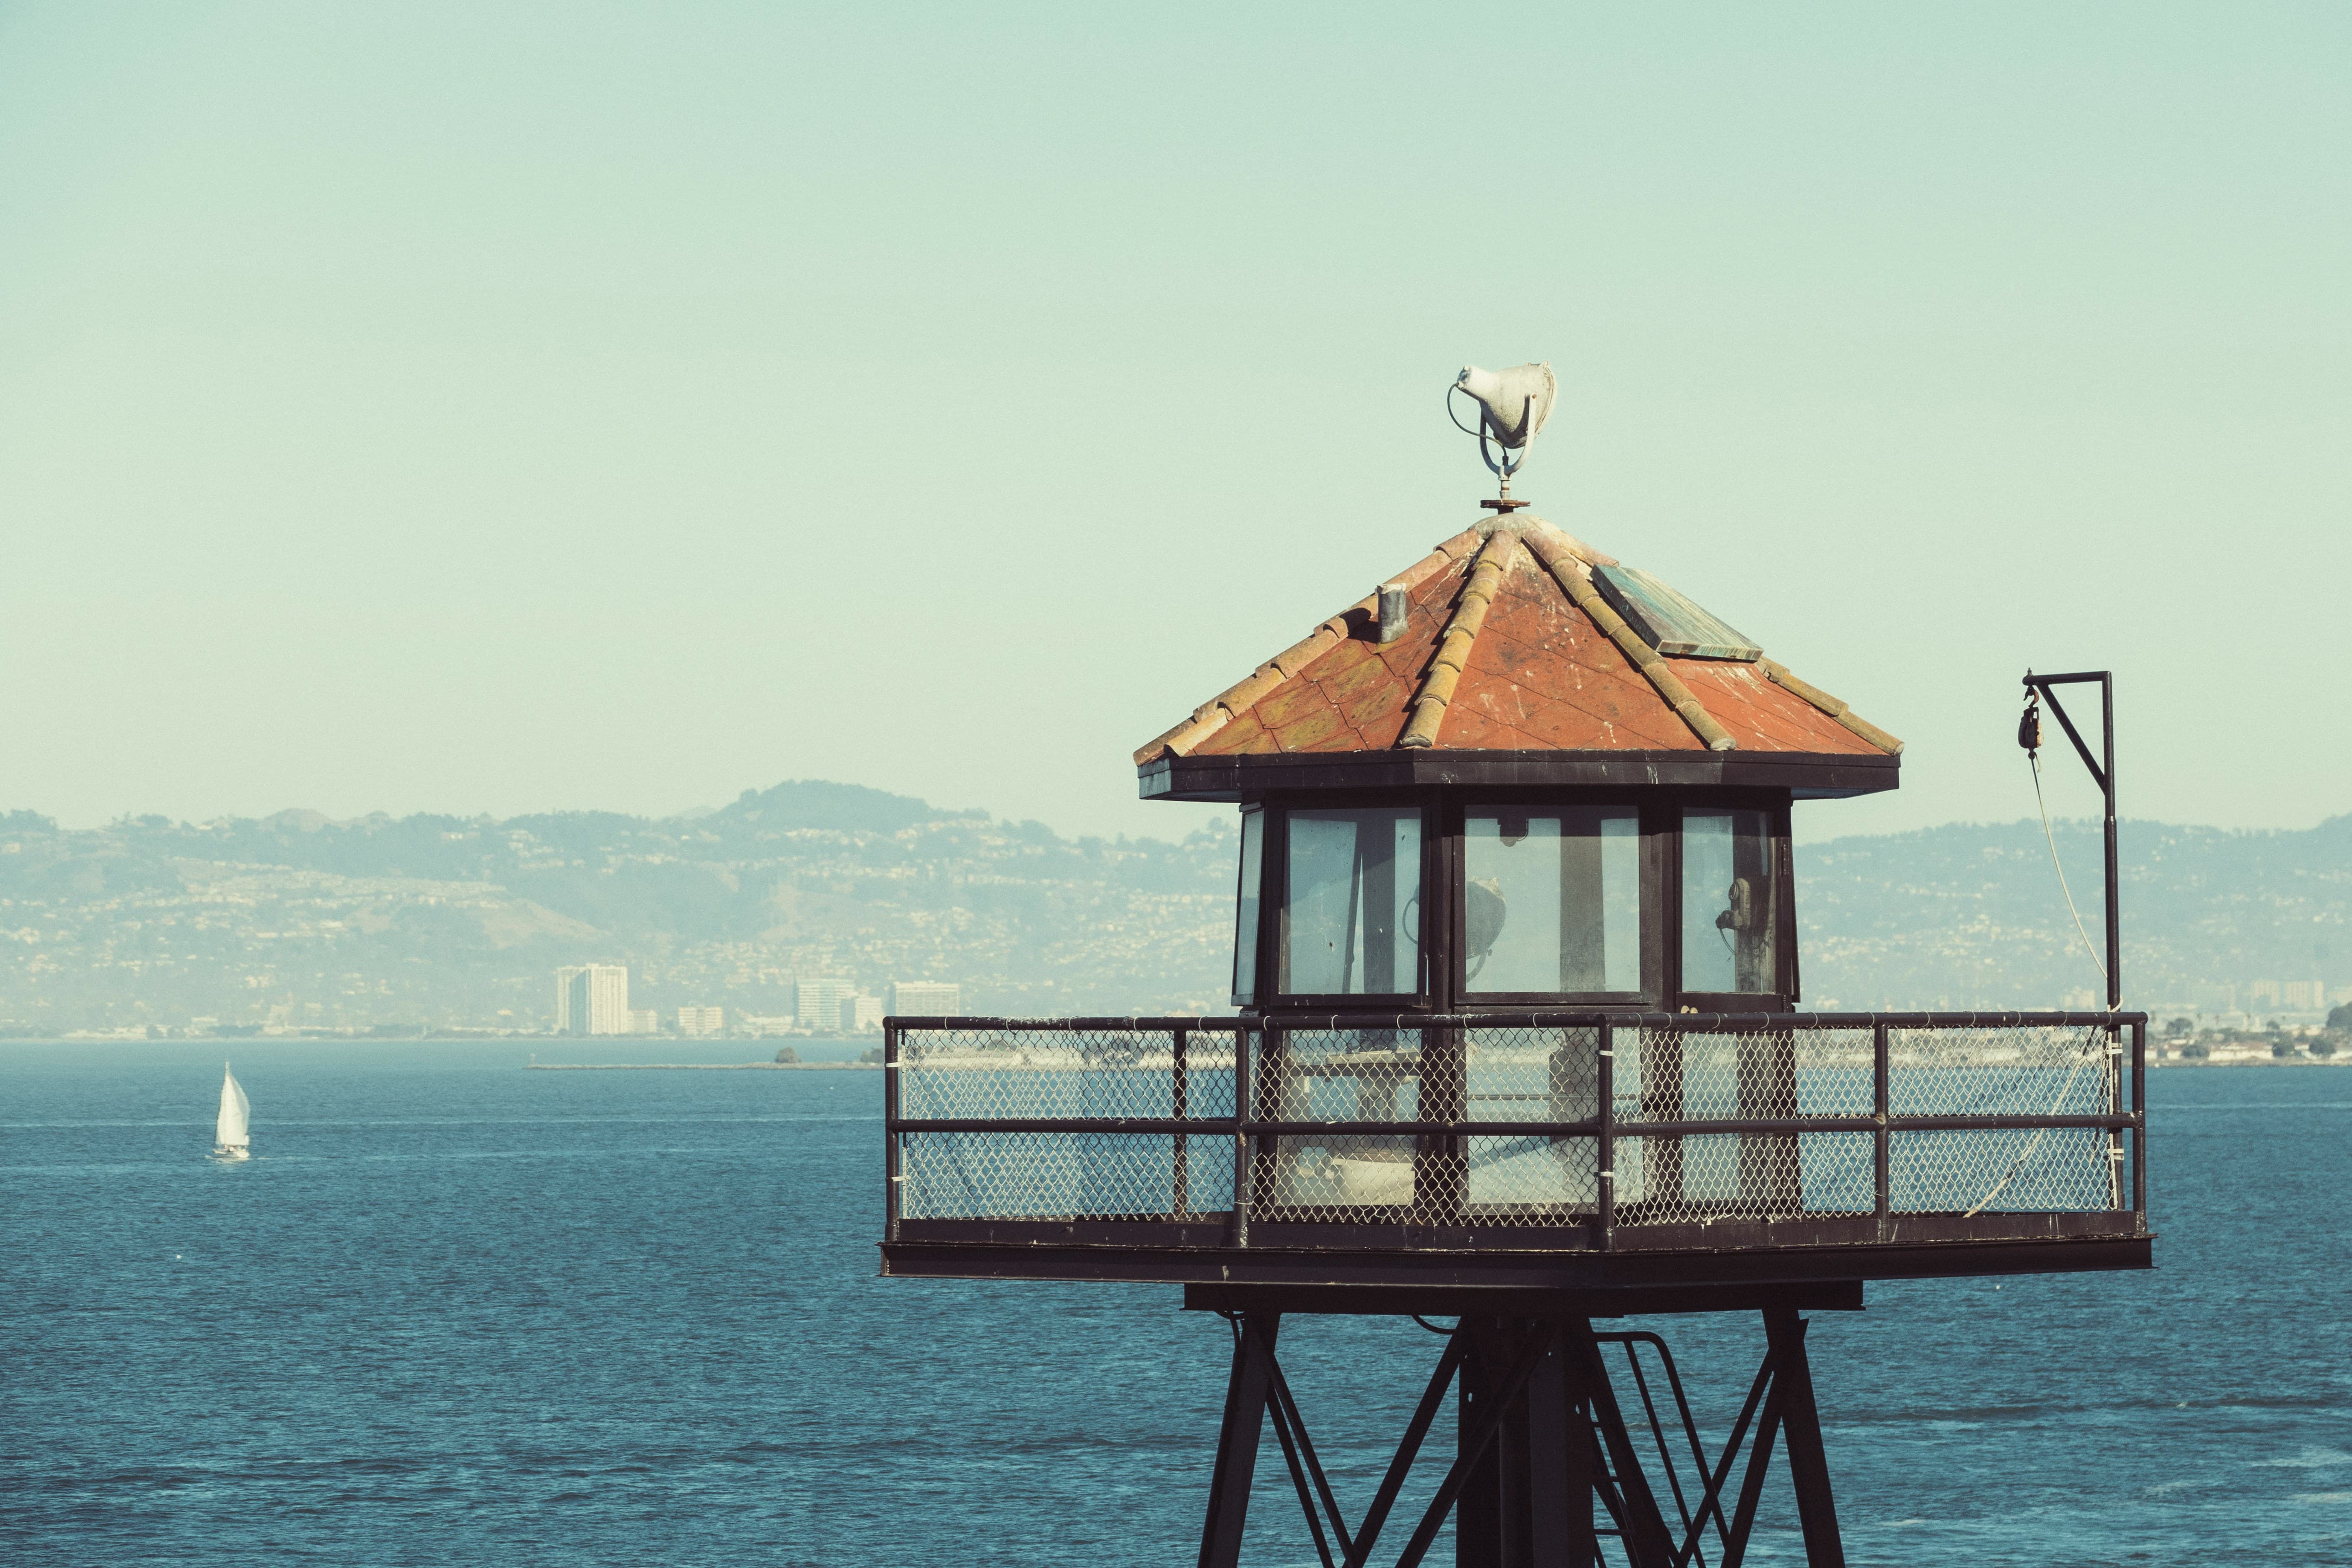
{"x":235,"y":1112}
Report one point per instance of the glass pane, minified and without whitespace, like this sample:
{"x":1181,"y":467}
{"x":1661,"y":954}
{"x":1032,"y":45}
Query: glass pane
{"x":1353,"y":924}
{"x":1553,"y":900}
{"x":1728,"y":908}
{"x":1245,"y":906}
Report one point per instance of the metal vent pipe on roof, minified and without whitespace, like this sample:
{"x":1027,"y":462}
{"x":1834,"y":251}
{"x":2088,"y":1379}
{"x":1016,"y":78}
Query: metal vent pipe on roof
{"x":1392,"y":622}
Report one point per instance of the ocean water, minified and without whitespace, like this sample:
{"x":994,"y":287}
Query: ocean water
{"x":456,"y":1313}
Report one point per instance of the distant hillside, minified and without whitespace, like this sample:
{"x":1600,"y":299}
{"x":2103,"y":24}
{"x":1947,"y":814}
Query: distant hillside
{"x":1970,"y":914}
{"x":295,"y":919}
{"x":448,"y":922}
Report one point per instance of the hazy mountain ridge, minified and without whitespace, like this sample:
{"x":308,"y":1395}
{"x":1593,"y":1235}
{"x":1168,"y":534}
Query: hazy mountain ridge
{"x":452,"y":920}
{"x":1972,"y":914}
{"x":444,"y":921}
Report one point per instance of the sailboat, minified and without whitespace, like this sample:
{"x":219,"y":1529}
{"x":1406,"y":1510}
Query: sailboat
{"x":229,"y":1138}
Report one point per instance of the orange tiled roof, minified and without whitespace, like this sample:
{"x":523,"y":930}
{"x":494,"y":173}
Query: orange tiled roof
{"x":1509,"y":646}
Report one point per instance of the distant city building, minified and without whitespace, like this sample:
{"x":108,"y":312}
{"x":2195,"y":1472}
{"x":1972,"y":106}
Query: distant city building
{"x":2293,"y":996}
{"x":817,"y":1004}
{"x":591,"y":999}
{"x":865,"y":1013}
{"x":765,"y":1023}
{"x":925,"y":999}
{"x":645,"y":1021}
{"x":701,"y":1020}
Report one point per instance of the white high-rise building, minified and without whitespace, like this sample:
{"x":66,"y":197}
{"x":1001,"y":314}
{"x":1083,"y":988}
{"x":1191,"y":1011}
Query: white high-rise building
{"x":591,"y":999}
{"x":867,"y":1011}
{"x":925,"y":999}
{"x":817,"y":1004}
{"x":701,"y":1020}
{"x":2295,"y":996}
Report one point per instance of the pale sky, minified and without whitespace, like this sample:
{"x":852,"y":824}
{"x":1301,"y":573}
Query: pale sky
{"x":503,"y":408}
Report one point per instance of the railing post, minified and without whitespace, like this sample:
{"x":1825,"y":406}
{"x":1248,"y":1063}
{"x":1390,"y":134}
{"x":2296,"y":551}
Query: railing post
{"x":1268,"y":1090}
{"x":1179,"y":1196}
{"x":1879,"y":1098}
{"x":890,"y":1134}
{"x":1605,"y":1142}
{"x":2139,"y":1126}
{"x":2115,"y":1107}
{"x":1239,"y":1236}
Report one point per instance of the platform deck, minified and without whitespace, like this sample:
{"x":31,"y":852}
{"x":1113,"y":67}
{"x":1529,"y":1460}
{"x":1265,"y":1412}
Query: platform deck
{"x":1582,"y":1152}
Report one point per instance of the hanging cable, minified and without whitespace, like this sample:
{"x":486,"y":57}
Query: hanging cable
{"x":2029,"y":735}
{"x":2092,"y":1051}
{"x":2096,"y":960}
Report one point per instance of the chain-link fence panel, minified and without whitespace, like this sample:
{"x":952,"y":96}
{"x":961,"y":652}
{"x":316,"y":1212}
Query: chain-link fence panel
{"x":1704,"y":1075}
{"x":1428,"y":1083}
{"x":1341,"y":1075}
{"x":1701,"y":1178}
{"x":2052,"y":1170}
{"x":1031,"y":1074}
{"x":2001,"y":1071}
{"x":1064,"y":1175}
{"x":1438,"y":1078}
{"x":1531,"y":1075}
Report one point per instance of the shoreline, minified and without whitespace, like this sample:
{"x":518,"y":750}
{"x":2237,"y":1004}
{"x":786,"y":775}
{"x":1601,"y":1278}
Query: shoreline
{"x":700,"y":1067}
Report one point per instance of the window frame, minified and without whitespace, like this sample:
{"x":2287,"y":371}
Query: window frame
{"x":1442,"y":985}
{"x":1776,"y":809}
{"x":1538,"y":801}
{"x":1274,"y":931}
{"x":1253,"y":811}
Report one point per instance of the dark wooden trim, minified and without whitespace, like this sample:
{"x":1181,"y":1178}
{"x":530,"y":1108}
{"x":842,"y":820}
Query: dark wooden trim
{"x":1447,"y":964}
{"x":1470,"y":1127}
{"x":1360,"y":1017}
{"x":1784,"y":878}
{"x":1200,"y":1229}
{"x":1257,"y":1265}
{"x":1668,"y":811}
{"x":1854,"y":1235}
{"x":1567,"y":1232}
{"x":1508,"y":1302}
{"x":1255,"y":935}
{"x":1812,"y":775}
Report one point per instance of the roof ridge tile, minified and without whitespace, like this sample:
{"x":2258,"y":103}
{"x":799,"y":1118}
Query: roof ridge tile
{"x":1445,"y":666}
{"x":1218,"y":711}
{"x":1778,"y":673}
{"x":1576,"y":582}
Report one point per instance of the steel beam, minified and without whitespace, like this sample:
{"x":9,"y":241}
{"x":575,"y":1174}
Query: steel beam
{"x":1237,"y":1439}
{"x":1807,"y":1464}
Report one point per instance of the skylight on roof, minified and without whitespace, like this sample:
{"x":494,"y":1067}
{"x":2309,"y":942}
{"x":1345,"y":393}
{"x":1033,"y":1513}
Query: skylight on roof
{"x":1666,"y":620}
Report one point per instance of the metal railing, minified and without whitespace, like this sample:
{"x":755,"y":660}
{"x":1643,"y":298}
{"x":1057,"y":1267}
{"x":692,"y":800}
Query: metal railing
{"x":1568,"y":1130}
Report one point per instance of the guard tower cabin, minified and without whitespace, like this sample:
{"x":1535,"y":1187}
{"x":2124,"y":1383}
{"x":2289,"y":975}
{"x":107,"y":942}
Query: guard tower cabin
{"x":1518,"y":1040}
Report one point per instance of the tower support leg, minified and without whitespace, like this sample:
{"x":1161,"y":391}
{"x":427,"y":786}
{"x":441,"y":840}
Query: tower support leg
{"x":1647,"y":1542}
{"x":1541,"y":1444}
{"x":1238,"y":1438}
{"x":1808,"y":1466}
{"x":1559,"y":1482}
{"x":1478,"y":1511}
{"x":1536,"y":1451}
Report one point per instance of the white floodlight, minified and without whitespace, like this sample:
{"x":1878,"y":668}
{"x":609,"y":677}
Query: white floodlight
{"x":1512,"y":407}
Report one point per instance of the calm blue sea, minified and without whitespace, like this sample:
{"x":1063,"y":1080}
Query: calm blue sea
{"x":456,"y":1313}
